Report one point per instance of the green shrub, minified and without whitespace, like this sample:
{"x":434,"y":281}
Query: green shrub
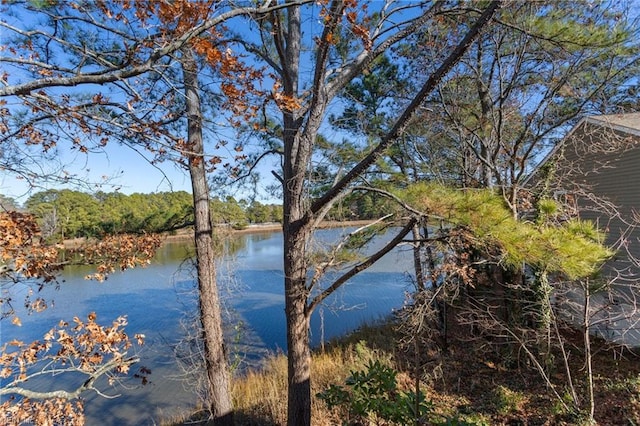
{"x":373,"y":395}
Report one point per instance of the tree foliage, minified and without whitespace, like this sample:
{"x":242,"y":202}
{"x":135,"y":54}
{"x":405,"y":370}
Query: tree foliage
{"x":72,"y":214}
{"x":65,"y":213}
{"x":574,"y":248}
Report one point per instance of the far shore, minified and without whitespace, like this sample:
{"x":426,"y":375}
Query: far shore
{"x":187,"y":233}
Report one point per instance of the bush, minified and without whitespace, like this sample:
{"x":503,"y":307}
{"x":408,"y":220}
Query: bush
{"x":373,"y":395}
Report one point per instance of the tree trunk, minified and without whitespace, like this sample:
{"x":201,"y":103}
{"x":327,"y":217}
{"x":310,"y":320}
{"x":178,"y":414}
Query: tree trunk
{"x":210,"y":315}
{"x":588,"y":359}
{"x":297,"y":231}
{"x":417,"y":259}
{"x":300,"y":130}
{"x":299,"y":355}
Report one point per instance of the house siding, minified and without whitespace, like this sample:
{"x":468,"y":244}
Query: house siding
{"x":595,"y":165}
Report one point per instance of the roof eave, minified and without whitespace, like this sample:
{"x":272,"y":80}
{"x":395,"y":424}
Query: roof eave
{"x":593,"y":119}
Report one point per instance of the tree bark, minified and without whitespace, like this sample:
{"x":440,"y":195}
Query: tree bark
{"x":296,"y":225}
{"x":587,"y":351}
{"x":297,"y":231}
{"x":417,"y":259}
{"x":299,"y":355}
{"x":210,"y":315}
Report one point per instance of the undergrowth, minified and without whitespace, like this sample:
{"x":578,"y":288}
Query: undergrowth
{"x":472,"y":387}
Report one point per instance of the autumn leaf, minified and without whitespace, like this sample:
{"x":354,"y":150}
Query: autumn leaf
{"x":284,"y":102}
{"x":5,"y":372}
{"x":140,"y":338}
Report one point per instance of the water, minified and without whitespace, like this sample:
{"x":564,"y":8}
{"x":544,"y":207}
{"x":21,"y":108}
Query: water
{"x":156,"y":298}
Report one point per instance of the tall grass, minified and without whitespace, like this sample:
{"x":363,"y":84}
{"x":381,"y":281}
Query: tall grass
{"x":260,"y":397}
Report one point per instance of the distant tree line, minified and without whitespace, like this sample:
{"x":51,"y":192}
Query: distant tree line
{"x":71,"y":214}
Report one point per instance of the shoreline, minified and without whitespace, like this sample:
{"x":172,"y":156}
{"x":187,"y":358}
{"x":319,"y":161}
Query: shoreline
{"x":187,"y":234}
{"x":266,"y":227}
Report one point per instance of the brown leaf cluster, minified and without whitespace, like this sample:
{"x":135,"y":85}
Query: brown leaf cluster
{"x":118,"y":252}
{"x":358,"y":27}
{"x":50,"y":412}
{"x":85,"y":345}
{"x":22,"y":249}
{"x":81,"y":346}
{"x":284,"y":102}
{"x":355,"y":13}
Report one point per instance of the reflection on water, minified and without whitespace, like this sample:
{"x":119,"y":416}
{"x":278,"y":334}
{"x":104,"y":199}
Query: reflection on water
{"x":156,"y":298}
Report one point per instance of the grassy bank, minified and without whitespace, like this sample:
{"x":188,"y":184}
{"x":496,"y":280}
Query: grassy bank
{"x":260,"y":396}
{"x":474,"y":382}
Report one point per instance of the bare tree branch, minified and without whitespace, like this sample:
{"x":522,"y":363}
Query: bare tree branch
{"x":396,"y":130}
{"x":87,"y":385}
{"x":361,"y":266}
{"x":109,"y":75}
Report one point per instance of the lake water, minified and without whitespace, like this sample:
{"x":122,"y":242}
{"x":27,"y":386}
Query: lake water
{"x":157,"y":299}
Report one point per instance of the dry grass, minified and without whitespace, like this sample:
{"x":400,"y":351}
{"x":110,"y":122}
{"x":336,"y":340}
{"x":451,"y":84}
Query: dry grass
{"x":260,"y":397}
{"x":472,"y":385}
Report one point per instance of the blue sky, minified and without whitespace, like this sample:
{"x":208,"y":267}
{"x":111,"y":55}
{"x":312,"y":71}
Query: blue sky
{"x":118,"y":168}
{"x":121,"y":166}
